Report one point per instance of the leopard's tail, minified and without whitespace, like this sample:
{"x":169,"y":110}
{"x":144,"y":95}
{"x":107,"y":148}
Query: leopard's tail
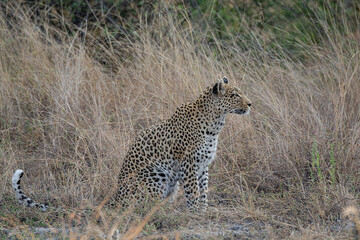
{"x":23,"y":199}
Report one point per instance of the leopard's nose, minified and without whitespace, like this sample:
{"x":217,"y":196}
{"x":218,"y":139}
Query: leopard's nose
{"x":249,"y":104}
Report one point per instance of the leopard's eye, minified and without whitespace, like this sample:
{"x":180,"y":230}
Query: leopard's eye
{"x":235,"y":95}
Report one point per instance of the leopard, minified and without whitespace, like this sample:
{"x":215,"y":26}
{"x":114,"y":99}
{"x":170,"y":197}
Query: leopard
{"x":175,"y":152}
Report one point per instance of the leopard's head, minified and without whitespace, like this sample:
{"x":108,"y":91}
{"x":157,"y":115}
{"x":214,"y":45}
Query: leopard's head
{"x":229,"y":98}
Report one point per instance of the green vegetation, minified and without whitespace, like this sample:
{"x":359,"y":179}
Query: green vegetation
{"x":284,"y":26}
{"x":316,"y":169}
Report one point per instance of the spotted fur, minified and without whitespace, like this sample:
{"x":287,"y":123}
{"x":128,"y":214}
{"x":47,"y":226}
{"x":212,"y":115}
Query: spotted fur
{"x":23,"y":199}
{"x":179,"y":150}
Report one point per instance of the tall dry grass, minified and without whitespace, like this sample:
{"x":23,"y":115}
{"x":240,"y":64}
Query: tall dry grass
{"x":68,"y":120}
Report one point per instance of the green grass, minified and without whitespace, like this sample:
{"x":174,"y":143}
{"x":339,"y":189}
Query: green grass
{"x":316,"y":172}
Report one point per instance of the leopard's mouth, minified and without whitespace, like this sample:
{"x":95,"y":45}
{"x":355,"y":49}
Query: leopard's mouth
{"x":242,"y":111}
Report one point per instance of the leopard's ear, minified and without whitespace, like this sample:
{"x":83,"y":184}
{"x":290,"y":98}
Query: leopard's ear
{"x":225,"y":80}
{"x":218,"y":88}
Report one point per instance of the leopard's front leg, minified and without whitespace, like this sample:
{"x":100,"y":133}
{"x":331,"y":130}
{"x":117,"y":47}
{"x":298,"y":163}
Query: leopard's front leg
{"x":203,"y":186}
{"x":190,"y":184}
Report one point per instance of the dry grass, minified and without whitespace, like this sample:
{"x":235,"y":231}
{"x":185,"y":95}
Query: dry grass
{"x":292,"y":164}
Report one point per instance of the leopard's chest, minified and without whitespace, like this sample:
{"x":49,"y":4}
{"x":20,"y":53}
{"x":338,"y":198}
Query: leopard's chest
{"x":206,"y":153}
